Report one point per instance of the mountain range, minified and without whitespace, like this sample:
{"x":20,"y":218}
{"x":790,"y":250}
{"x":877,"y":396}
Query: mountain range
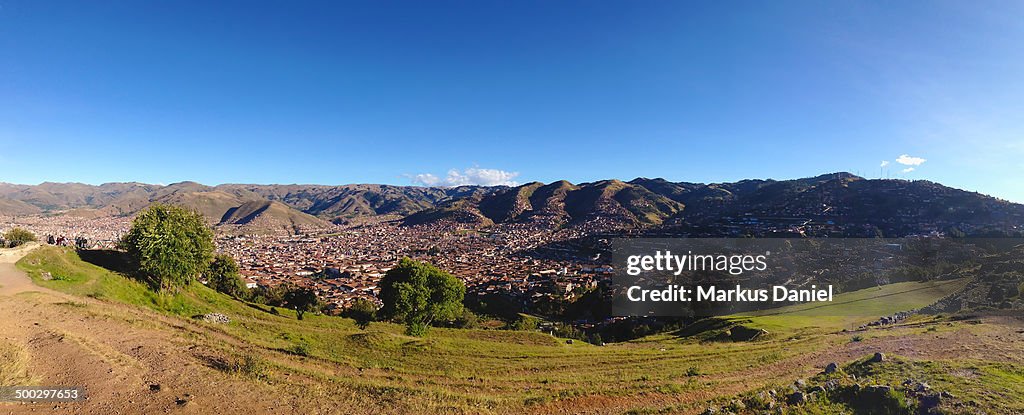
{"x":889,"y":207}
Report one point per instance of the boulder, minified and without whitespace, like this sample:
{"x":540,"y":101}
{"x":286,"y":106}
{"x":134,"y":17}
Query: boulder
{"x":877,"y":358}
{"x":216,"y":318}
{"x":831,"y":368}
{"x":877,"y":389}
{"x":796,"y":398}
{"x":928,"y":402}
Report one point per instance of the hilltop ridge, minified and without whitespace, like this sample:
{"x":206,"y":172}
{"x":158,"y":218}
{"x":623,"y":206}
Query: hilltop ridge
{"x":881,"y":206}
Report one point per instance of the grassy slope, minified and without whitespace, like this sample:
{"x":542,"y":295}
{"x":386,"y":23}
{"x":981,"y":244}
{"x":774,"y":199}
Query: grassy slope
{"x":851,"y":309}
{"x":467,"y":370}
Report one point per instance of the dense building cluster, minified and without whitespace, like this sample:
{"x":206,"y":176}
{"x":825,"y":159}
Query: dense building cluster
{"x":349,"y":263}
{"x":522,"y":261}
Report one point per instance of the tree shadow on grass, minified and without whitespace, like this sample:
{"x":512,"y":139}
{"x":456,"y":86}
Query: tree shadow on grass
{"x":119,"y":262}
{"x":264,"y":308}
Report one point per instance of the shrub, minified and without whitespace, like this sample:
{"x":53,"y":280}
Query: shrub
{"x":416,"y":329}
{"x":18,"y":236}
{"x":300,"y":349}
{"x":251,"y":366}
{"x":363,"y":311}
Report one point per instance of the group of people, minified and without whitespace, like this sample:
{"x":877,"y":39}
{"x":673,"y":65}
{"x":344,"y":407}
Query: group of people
{"x":79,"y":242}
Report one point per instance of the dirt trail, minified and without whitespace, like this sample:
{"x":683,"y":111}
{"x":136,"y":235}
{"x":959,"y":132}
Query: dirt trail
{"x":130,"y":361}
{"x":13,"y":281}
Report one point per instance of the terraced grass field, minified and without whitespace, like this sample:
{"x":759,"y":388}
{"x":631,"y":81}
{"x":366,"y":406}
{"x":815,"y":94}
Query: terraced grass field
{"x":326,"y":364}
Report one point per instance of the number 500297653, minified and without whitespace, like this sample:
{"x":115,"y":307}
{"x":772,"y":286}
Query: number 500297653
{"x":41,"y":393}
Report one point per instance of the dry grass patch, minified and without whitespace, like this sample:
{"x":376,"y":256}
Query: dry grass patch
{"x":14,"y":365}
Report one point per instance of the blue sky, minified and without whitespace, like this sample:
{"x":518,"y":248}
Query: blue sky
{"x":484,"y":92}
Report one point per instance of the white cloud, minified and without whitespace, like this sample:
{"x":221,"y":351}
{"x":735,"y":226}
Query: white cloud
{"x":473,"y":176}
{"x":908,"y":170}
{"x":907,"y":160}
{"x":426,"y":179}
{"x":884,"y":163}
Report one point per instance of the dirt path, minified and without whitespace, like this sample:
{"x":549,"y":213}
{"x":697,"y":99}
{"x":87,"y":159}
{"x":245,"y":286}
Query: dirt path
{"x":13,"y":281}
{"x":129,"y":360}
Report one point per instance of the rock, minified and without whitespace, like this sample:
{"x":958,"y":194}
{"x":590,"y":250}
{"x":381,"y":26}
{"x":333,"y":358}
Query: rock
{"x":877,"y":358}
{"x":831,"y":368}
{"x":947,"y":395}
{"x":921,"y":387}
{"x":875,"y":394}
{"x":216,"y":318}
{"x":880,"y":389}
{"x":765,"y":400}
{"x":831,"y":385}
{"x":569,"y":341}
{"x":816,"y":389}
{"x":710,"y":411}
{"x":154,"y":387}
{"x":927,"y":402}
{"x":796,"y":398}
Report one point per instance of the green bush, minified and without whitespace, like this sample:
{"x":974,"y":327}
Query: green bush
{"x":300,"y":349}
{"x":251,"y":366}
{"x":363,"y":311}
{"x":18,"y":236}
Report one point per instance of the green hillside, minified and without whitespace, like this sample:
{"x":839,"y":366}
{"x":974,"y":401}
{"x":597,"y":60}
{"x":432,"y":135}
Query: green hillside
{"x":475,"y":371}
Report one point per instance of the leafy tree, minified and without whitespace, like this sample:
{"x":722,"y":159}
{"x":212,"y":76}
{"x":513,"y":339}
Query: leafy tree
{"x":363,"y":311}
{"x":417,"y":294}
{"x":222,"y":275}
{"x":18,"y":236}
{"x":301,"y":300}
{"x":170,"y":245}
